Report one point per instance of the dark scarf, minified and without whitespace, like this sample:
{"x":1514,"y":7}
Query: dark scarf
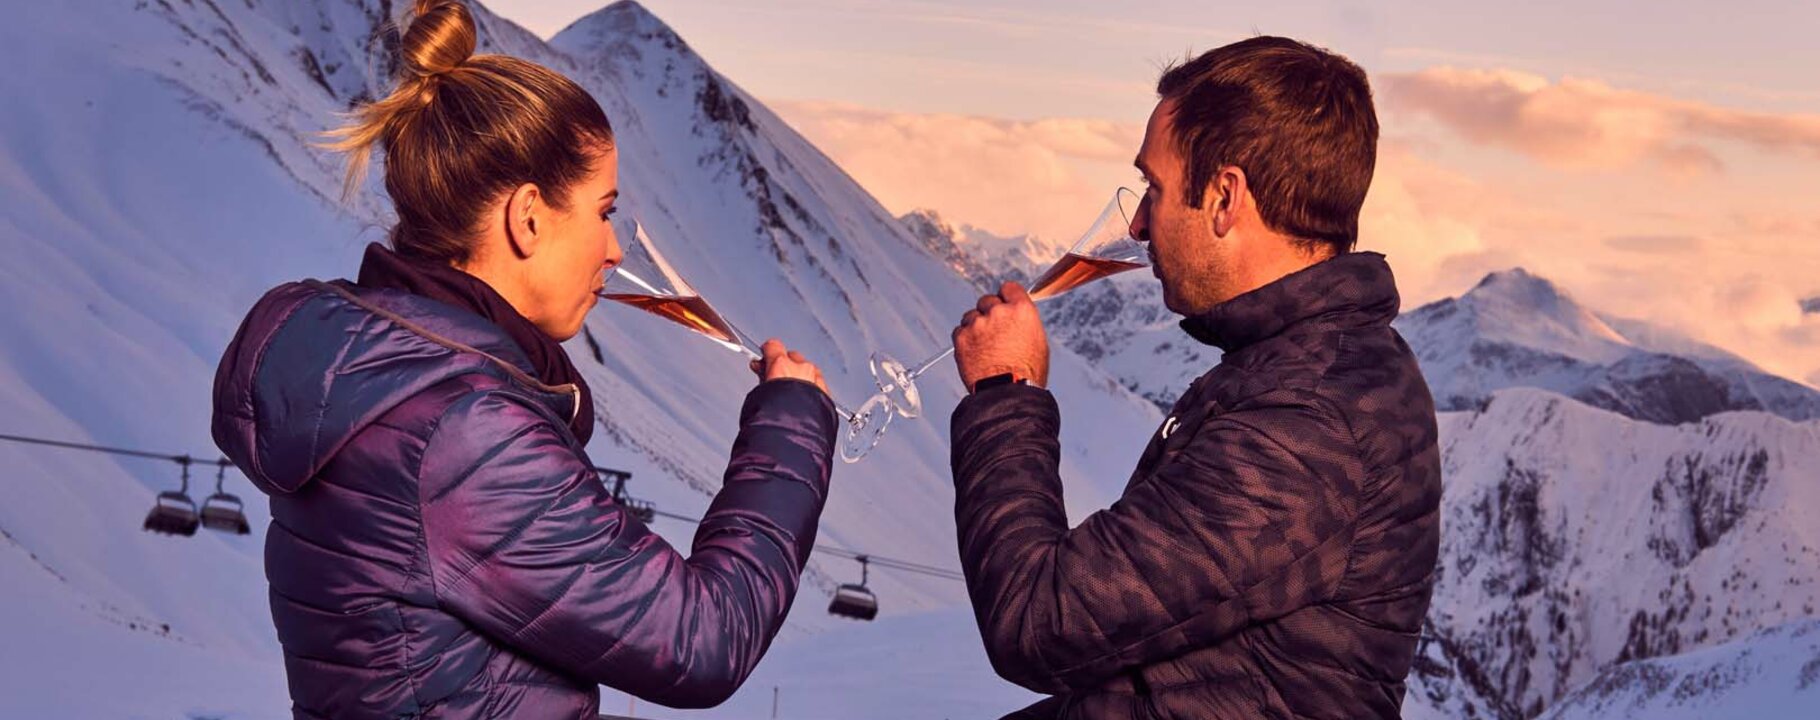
{"x":382,"y":268}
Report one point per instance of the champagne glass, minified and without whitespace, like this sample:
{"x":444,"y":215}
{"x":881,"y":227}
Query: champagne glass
{"x":645,"y":280}
{"x":1106,"y":249}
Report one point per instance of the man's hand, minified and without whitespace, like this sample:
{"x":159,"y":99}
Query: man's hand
{"x":1003,"y":334}
{"x":782,"y":362}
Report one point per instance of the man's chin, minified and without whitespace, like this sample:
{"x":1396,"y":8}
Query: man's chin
{"x":1172,"y":303}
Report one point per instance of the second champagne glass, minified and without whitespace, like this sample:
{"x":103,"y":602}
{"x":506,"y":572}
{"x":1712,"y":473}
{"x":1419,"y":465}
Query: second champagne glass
{"x":1106,"y":249}
{"x":645,"y":280}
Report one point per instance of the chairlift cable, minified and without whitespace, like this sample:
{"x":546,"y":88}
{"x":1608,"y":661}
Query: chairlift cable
{"x":186,"y":460}
{"x":176,"y":458}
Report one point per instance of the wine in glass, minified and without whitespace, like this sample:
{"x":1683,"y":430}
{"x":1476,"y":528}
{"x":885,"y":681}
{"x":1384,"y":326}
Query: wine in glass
{"x":1106,"y":249}
{"x":645,"y":280}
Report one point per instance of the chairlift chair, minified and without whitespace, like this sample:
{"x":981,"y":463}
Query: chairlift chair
{"x":644,"y":510}
{"x":855,"y":601}
{"x":174,"y":513}
{"x":222,"y":511}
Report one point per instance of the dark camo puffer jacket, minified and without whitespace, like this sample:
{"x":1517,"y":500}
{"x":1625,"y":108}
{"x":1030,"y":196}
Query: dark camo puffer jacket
{"x":1272,"y":555}
{"x":441,"y":546}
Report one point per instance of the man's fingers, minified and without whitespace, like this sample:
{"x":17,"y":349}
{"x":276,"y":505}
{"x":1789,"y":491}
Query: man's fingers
{"x":1012,"y":292}
{"x":967,"y":319}
{"x":798,"y":357}
{"x":772,"y":350}
{"x":987,"y":302}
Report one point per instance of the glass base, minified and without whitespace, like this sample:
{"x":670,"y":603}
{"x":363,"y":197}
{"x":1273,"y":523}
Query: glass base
{"x":896,"y":383}
{"x":865,"y":428}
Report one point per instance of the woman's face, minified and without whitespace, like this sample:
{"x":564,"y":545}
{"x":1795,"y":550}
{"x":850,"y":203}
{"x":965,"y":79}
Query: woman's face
{"x":576,"y":250}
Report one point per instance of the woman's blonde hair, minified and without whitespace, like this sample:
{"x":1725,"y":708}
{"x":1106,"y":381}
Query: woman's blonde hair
{"x":460,"y":130}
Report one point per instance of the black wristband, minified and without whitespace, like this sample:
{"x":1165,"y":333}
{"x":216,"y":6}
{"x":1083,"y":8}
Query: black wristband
{"x":997,"y":381}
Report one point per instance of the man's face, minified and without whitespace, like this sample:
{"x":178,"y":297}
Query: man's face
{"x":1194,"y":265}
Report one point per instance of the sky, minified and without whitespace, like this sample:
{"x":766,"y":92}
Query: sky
{"x":1656,"y":160}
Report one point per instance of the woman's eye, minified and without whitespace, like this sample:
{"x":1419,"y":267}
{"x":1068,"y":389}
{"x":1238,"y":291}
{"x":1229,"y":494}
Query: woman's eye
{"x":609,"y":213}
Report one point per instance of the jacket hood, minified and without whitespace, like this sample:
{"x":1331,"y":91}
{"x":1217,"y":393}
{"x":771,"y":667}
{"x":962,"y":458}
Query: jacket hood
{"x":314,"y":363}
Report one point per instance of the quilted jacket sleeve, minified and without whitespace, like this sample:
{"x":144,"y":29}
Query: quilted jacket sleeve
{"x":526,"y":545}
{"x":1251,"y":520}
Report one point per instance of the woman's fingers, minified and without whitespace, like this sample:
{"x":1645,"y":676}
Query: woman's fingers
{"x":782,"y":362}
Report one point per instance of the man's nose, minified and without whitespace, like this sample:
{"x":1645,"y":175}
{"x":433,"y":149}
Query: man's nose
{"x":1140,"y":221}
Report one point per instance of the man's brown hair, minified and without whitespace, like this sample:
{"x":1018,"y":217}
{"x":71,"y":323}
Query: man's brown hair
{"x":1296,"y":118}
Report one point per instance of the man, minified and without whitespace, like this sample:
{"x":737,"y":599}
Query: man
{"x":1274,"y":552}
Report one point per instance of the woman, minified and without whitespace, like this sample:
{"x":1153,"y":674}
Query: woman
{"x":440,"y":545}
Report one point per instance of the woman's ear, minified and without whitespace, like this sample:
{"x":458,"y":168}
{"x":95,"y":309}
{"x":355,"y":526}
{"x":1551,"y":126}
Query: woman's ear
{"x":524,"y":208}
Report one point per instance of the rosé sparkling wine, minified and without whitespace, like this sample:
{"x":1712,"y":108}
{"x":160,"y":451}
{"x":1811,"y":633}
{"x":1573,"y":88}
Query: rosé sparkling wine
{"x":1073,"y":271}
{"x":688,"y":311}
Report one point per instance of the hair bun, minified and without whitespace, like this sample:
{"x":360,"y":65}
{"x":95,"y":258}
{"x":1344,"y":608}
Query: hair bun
{"x":441,"y":37}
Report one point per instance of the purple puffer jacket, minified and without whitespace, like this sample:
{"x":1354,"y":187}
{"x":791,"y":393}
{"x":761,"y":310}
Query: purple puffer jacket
{"x":441,"y":547}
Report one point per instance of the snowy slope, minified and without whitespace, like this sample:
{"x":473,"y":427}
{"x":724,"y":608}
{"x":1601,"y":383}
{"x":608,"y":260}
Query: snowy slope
{"x":1770,"y":675}
{"x":1575,"y":538}
{"x":162,"y":176}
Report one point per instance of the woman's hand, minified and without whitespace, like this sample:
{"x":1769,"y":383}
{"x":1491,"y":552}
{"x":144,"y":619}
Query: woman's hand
{"x":782,"y":362}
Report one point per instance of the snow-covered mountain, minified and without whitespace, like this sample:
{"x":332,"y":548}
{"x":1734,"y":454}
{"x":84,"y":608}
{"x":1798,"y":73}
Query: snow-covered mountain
{"x":1516,"y":329}
{"x":159,"y":173}
{"x":980,"y":255}
{"x":1575,"y":538}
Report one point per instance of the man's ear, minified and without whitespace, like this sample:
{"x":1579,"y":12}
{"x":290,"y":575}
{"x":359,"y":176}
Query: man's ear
{"x":1226,"y":195}
{"x":524,"y":210}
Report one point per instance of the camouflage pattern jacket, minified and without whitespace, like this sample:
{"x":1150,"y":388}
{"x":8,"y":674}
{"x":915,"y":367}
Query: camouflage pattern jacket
{"x":1272,"y":555}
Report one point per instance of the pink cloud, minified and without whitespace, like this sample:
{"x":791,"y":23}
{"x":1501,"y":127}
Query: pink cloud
{"x":1582,"y":123}
{"x":1046,"y":176}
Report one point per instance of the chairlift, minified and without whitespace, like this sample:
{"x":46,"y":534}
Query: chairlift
{"x":644,"y":510}
{"x":174,"y":513}
{"x":223,"y":512}
{"x":855,"y":601}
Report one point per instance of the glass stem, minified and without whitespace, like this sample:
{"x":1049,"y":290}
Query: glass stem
{"x":926,"y":364}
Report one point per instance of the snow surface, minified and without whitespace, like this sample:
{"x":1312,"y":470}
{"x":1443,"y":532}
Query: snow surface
{"x":1771,"y":674}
